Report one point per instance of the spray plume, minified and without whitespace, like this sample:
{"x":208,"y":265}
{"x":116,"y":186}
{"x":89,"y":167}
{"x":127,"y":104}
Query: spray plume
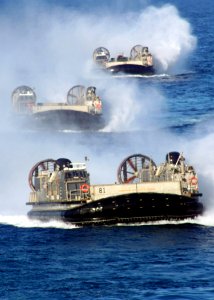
{"x":51,"y":50}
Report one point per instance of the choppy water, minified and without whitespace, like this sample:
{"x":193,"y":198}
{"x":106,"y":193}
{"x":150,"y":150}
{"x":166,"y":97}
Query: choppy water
{"x":134,"y":262}
{"x":152,"y":115}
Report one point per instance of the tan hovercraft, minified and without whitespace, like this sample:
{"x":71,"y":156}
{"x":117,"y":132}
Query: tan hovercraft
{"x":145,"y":192}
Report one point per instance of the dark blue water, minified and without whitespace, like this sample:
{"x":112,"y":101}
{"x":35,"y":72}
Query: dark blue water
{"x":139,"y":262}
{"x":174,"y":112}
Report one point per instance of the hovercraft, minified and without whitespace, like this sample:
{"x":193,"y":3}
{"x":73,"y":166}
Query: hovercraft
{"x":140,"y":61}
{"x":82,"y":110}
{"x":144,"y":192}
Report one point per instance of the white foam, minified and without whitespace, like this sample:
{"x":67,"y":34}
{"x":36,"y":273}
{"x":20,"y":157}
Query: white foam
{"x":200,"y":220}
{"x":24,"y":222}
{"x":140,"y":76}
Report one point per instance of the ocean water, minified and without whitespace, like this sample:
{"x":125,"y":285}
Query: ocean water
{"x":134,"y":262}
{"x":48,"y":45}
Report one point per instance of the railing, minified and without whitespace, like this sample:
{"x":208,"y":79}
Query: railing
{"x":72,"y":195}
{"x":147,"y":175}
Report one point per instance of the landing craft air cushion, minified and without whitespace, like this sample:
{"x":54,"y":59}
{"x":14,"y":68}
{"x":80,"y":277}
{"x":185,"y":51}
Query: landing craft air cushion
{"x":83,"y":110}
{"x":145,"y":192}
{"x":140,"y":61}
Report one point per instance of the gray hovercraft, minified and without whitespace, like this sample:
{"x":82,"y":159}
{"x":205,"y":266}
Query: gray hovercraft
{"x":82,"y":110}
{"x":145,"y":192}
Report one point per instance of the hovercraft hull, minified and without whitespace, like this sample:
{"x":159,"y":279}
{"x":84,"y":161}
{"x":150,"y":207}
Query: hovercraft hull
{"x":130,"y":208}
{"x":131,"y":69}
{"x":61,"y":120}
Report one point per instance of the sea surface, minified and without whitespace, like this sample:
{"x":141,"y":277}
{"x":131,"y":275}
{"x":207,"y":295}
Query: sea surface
{"x":48,"y":45}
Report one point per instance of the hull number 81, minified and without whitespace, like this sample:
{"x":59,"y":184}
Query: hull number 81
{"x":102,"y":190}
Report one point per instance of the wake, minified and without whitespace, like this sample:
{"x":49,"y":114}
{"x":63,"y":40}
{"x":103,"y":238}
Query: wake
{"x":23,"y":221}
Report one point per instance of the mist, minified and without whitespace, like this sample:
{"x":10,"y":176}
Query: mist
{"x":49,"y":48}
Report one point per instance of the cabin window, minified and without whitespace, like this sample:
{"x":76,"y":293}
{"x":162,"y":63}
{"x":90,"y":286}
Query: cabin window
{"x":75,"y":174}
{"x":68,"y":175}
{"x":73,"y":187}
{"x":101,"y":57}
